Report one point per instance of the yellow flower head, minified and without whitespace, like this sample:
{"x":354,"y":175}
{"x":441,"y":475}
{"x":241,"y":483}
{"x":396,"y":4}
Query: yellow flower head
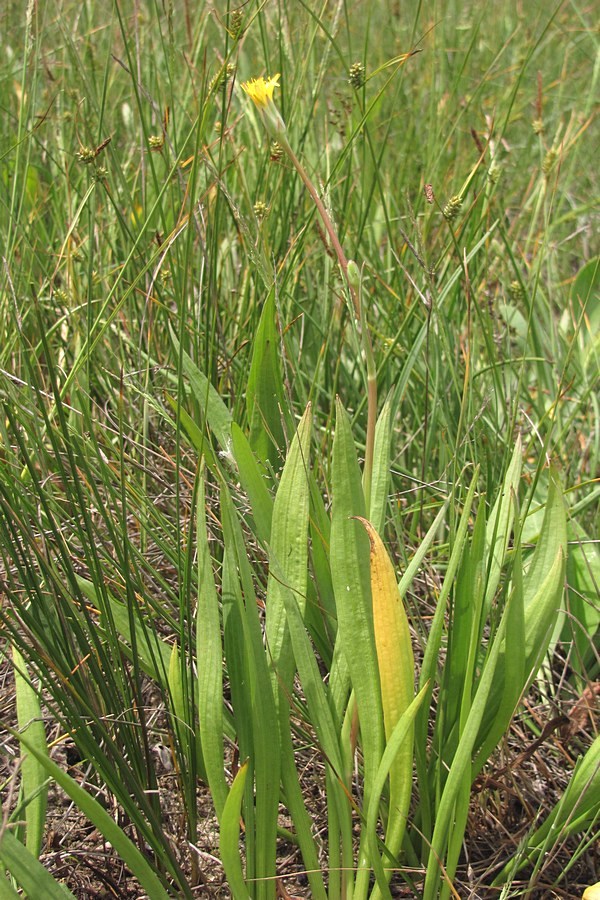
{"x":260,"y":90}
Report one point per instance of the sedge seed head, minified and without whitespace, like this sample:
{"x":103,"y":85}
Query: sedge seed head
{"x":356,"y":75}
{"x":236,"y":24}
{"x":515,"y":290}
{"x":549,"y":161}
{"x":276,"y":152}
{"x":86,"y":155}
{"x":452,"y":208}
{"x":261,"y":210}
{"x":494,"y":173}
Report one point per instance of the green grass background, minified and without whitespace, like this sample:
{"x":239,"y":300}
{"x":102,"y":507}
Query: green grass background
{"x":133,"y":277}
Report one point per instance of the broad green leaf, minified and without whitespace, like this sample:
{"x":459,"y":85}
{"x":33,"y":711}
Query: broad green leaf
{"x":583,"y":589}
{"x":515,"y":672}
{"x":214,"y":410}
{"x":288,"y":570}
{"x":464,"y":643}
{"x":209,"y":663}
{"x":459,"y":771}
{"x":7,"y":891}
{"x":33,"y":784}
{"x":352,"y":589}
{"x":254,"y":705}
{"x":253,"y":481}
{"x":552,"y":538}
{"x":349,"y":554}
{"x":381,"y":467}
{"x":500,"y":523}
{"x":265,"y":396}
{"x":289,"y":547}
{"x":429,"y":669}
{"x":175,"y":685}
{"x":542,"y":593}
{"x":230,"y":835}
{"x":239,"y":662}
{"x":320,"y":715}
{"x":585,"y":303}
{"x":339,"y":682}
{"x":320,"y":613}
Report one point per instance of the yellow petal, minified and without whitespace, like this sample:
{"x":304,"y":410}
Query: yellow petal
{"x":260,"y":90}
{"x":592,"y":892}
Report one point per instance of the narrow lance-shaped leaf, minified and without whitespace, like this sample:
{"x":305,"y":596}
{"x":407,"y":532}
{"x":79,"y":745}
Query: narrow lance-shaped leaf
{"x":395,"y":743}
{"x":381,"y":466}
{"x":35,"y":792}
{"x":578,"y":807}
{"x":289,"y":546}
{"x":252,"y":478}
{"x":209,"y":656}
{"x":396,"y":675}
{"x":288,"y":569}
{"x":444,"y":815}
{"x":28,"y":872}
{"x":255,"y":714}
{"x":230,"y":835}
{"x":267,"y":406}
{"x":351,"y":585}
{"x":500,"y":523}
{"x":105,"y":824}
{"x":542,"y":591}
{"x":216,"y":413}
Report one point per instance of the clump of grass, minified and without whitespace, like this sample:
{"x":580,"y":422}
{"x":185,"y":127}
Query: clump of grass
{"x":223,"y":441}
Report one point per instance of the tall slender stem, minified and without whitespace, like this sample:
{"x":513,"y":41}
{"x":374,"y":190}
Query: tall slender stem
{"x":359,"y":313}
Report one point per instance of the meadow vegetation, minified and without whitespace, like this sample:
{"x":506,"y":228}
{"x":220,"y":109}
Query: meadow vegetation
{"x":298,"y":557}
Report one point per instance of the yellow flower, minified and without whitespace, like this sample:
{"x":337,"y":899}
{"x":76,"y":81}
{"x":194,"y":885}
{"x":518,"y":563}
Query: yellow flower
{"x":260,"y":91}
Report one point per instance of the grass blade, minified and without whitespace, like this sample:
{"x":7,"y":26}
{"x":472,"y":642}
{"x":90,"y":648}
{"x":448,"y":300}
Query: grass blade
{"x":128,"y":852}
{"x":31,"y":723}
{"x":29,"y":874}
{"x":230,"y":835}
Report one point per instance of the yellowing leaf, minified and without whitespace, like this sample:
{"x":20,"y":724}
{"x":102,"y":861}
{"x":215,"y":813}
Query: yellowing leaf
{"x":396,"y":675}
{"x":392,"y":635}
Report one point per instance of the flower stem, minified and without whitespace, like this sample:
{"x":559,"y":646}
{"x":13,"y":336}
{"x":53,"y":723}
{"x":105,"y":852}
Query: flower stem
{"x":359,"y":314}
